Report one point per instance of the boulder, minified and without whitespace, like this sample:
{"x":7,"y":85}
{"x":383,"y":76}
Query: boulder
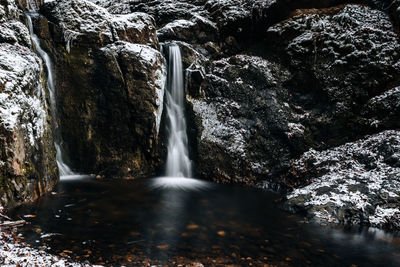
{"x":356,"y":183}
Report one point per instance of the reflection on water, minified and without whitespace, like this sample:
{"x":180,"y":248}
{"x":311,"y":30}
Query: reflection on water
{"x":117,"y":222}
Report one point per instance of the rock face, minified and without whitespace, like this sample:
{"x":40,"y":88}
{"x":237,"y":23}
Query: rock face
{"x":27,"y":156}
{"x":242,"y":121}
{"x":308,"y":87}
{"x":355,"y":183}
{"x":110,"y":84}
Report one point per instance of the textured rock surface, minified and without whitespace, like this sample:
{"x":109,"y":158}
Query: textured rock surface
{"x":27,"y":154}
{"x":309,"y":86}
{"x":241,"y":120}
{"x":110,"y":79}
{"x":356,"y":183}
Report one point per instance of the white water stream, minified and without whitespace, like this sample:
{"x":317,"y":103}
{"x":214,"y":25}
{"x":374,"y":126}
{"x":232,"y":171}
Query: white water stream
{"x":178,"y":162}
{"x":64,"y":169}
{"x":179,"y":166}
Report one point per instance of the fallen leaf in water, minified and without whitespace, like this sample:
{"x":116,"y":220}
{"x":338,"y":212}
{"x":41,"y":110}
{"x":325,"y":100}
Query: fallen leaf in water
{"x":221,"y":233}
{"x":192,"y":226}
{"x":134,"y":233}
{"x":163,"y":247}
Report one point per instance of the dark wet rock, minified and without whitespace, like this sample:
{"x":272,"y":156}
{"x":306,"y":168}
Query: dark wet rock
{"x":241,"y":120}
{"x":383,"y":111}
{"x":356,"y":183}
{"x":257,"y":113}
{"x":27,"y":155}
{"x":135,"y":77}
{"x":110,"y":82}
{"x":351,"y":54}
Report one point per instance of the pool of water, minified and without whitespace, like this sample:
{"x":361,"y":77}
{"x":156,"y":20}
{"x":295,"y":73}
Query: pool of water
{"x":153,"y":221}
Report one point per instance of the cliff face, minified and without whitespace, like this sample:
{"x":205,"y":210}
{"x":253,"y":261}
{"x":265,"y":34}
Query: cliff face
{"x":110,"y":84}
{"x":27,"y":156}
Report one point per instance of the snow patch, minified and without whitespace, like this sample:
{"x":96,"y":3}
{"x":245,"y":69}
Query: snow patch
{"x":226,"y":133}
{"x":21,"y":99}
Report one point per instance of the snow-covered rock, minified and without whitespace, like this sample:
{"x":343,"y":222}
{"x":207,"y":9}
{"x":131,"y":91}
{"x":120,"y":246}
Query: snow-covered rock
{"x":239,"y":117}
{"x":14,"y":253}
{"x":383,"y":110}
{"x":14,"y":32}
{"x":356,"y":183}
{"x":84,"y":23}
{"x":27,"y":154}
{"x":352,"y":52}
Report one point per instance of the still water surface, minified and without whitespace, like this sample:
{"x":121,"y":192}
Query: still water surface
{"x":121,"y":222}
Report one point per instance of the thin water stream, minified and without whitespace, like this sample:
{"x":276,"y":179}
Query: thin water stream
{"x":64,"y":169}
{"x":178,"y":162}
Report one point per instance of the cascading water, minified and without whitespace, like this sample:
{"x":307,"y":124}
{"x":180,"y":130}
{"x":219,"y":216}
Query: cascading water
{"x":178,"y":162}
{"x":178,"y":166}
{"x":64,"y":169}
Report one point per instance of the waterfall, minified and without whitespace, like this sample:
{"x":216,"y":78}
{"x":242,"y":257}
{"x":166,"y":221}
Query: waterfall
{"x":178,"y":162}
{"x":62,"y":166}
